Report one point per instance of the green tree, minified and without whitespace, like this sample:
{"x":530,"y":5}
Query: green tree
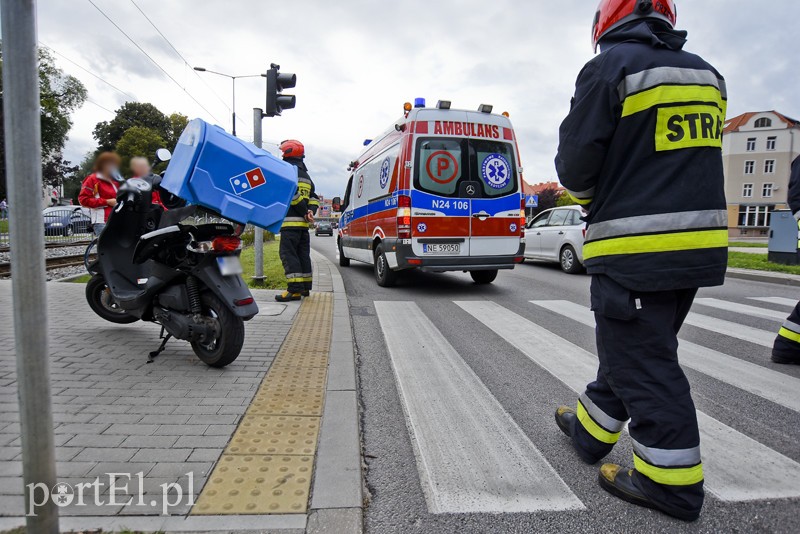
{"x":138,"y":141}
{"x":60,"y":96}
{"x":178,"y":122}
{"x":548,"y":199}
{"x":131,"y":114}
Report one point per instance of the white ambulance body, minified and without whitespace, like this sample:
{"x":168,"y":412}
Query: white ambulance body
{"x":439,"y":191}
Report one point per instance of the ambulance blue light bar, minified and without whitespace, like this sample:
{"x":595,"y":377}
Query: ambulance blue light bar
{"x":419,"y":102}
{"x":443,"y":104}
{"x":367,"y":142}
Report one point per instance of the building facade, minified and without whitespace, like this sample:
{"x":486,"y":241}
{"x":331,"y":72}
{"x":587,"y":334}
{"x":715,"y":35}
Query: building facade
{"x":758,"y":150}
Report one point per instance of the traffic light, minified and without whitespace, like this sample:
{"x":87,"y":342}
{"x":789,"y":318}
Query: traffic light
{"x":276,"y":83}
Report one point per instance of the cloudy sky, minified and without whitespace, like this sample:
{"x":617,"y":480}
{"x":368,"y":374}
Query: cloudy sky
{"x":357,"y":62}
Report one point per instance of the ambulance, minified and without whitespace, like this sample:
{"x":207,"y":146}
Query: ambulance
{"x":439,"y":191}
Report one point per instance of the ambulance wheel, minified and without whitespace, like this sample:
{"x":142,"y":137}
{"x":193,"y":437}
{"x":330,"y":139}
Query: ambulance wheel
{"x":483,"y":277}
{"x":343,"y":260}
{"x":384,"y":275}
{"x":569,"y":260}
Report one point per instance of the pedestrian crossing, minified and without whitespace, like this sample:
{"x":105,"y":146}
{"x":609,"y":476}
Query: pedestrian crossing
{"x":454,"y":420}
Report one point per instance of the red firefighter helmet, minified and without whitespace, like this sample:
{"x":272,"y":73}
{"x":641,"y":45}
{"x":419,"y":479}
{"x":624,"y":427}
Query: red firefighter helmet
{"x":612,"y":14}
{"x":292,"y":149}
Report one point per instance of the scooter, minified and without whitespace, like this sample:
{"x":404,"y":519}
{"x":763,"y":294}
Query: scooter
{"x":187,"y":278}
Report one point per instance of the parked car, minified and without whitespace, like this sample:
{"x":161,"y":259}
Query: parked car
{"x":67,"y":220}
{"x":557,"y":235}
{"x":324,"y":228}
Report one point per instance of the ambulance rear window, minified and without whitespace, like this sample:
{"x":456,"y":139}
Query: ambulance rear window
{"x":440,"y":163}
{"x":444,"y":164}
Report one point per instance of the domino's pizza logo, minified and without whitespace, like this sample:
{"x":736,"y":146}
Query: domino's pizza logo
{"x":243,"y":183}
{"x":496,"y":171}
{"x":386,"y":171}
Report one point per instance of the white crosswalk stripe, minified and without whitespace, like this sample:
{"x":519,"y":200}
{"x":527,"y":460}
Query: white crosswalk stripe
{"x":728,"y":455}
{"x":731,"y":329}
{"x":744,"y":309}
{"x":791,"y":303}
{"x":766,"y":383}
{"x":471,"y":455}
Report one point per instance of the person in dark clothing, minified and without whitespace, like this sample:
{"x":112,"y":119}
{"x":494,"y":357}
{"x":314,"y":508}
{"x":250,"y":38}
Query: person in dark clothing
{"x":295,"y":248}
{"x":641,"y":150}
{"x":787,"y":345}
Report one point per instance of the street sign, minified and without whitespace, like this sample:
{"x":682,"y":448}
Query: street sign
{"x":532,"y":201}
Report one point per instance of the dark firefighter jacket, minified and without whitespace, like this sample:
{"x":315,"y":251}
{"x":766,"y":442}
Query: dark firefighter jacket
{"x":794,"y":189}
{"x":641,"y":149}
{"x":305,"y":198}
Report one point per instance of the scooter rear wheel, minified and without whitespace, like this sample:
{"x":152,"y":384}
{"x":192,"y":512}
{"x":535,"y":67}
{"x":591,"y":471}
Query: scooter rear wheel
{"x":225,"y":348}
{"x":102,"y":303}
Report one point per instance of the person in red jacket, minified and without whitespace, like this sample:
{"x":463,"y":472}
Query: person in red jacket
{"x":99,"y":190}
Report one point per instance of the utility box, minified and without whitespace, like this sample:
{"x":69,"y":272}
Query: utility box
{"x":783,"y":238}
{"x":241,"y":182}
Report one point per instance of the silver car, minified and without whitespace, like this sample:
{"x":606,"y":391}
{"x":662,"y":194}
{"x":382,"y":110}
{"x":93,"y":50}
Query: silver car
{"x":557,"y":235}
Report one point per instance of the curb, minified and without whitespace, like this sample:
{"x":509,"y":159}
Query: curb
{"x":336,"y":498}
{"x":764,"y":276}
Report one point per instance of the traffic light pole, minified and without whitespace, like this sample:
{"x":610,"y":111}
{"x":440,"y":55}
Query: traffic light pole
{"x":258,"y":245}
{"x":23,"y":148}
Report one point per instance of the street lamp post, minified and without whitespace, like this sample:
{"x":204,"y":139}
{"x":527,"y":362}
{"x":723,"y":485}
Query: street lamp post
{"x":233,"y":88}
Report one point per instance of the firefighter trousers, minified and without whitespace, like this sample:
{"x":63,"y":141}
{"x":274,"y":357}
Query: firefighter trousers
{"x":787,"y":344}
{"x":640,"y":380}
{"x":295,"y":252}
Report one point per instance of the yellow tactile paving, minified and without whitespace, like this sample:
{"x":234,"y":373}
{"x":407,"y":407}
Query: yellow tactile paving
{"x":275,"y":435}
{"x":268,"y":465}
{"x":257,"y":484}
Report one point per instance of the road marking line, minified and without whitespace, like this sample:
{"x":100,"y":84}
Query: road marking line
{"x":737,"y":467}
{"x":761,"y":381}
{"x":471,"y":455}
{"x":731,"y":329}
{"x":745,"y":309}
{"x":776,"y":300}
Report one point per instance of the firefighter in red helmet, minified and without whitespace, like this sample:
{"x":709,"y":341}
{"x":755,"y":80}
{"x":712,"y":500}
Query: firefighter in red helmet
{"x":641,"y":150}
{"x":295,"y":248}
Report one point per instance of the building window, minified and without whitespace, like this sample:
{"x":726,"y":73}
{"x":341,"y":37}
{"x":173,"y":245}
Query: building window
{"x":747,"y":190}
{"x":751,"y":144}
{"x":771,"y":143}
{"x":755,"y":216}
{"x":763,"y":123}
{"x":749,"y":167}
{"x":766,"y":191}
{"x":769,"y":166}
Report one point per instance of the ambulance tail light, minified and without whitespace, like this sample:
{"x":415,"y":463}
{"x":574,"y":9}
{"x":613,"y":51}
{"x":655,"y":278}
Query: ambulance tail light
{"x":522,"y":218}
{"x":404,"y":217}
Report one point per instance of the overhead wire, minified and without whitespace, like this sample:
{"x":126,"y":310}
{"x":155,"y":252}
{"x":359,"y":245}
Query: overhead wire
{"x":89,"y":71}
{"x":148,"y":56}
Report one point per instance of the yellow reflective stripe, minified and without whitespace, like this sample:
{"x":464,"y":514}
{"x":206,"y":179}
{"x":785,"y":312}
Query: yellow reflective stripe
{"x":669,"y":476}
{"x":671,"y":94}
{"x":295,"y":280}
{"x":294,"y":225}
{"x":788,"y":334}
{"x":656,"y":243}
{"x":307,"y":279}
{"x":597,"y":432}
{"x":581,"y":201}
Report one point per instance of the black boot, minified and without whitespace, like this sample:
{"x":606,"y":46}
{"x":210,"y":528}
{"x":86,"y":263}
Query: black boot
{"x":788,"y":360}
{"x":287,"y":297}
{"x":618,"y":481}
{"x":566,"y":419}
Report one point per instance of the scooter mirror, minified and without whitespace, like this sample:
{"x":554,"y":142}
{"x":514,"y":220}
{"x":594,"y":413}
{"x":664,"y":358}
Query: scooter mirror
{"x":162,"y":154}
{"x":116,"y":176}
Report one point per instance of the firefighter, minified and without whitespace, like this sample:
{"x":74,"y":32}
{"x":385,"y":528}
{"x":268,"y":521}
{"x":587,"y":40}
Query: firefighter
{"x":295,"y":248}
{"x":641,"y":150}
{"x":787,"y":344}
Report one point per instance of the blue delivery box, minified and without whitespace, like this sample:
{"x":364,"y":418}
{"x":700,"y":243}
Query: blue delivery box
{"x":213,"y":169}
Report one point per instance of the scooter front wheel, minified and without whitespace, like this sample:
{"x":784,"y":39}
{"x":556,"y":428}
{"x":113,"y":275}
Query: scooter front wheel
{"x":226,"y":347}
{"x":102,"y":303}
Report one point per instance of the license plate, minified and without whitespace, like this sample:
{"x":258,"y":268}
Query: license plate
{"x":434,"y":249}
{"x":229,"y":265}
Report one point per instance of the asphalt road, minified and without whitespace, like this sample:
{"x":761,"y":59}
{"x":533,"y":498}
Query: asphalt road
{"x":459,"y":387}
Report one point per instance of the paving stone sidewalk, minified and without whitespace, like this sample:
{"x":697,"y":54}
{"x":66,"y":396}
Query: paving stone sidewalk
{"x":114,"y":413}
